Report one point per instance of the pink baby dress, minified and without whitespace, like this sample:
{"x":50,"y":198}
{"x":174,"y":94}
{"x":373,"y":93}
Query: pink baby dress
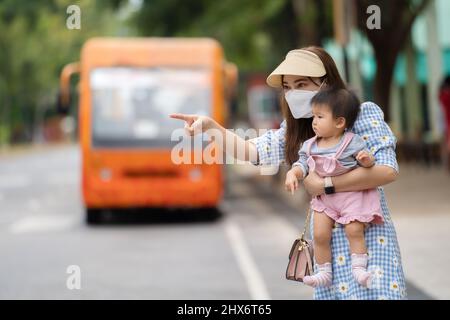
{"x":343,"y":207}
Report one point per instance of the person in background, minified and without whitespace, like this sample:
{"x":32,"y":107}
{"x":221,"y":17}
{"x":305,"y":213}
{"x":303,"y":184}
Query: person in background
{"x":444,"y":98}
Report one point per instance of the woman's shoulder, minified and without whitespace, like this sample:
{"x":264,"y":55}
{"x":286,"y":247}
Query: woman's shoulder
{"x":370,"y":109}
{"x":370,"y":115}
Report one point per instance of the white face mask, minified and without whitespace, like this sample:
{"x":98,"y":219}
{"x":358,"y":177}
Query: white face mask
{"x":299,"y":102}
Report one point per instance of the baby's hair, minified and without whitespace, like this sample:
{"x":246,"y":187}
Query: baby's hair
{"x":341,"y":102}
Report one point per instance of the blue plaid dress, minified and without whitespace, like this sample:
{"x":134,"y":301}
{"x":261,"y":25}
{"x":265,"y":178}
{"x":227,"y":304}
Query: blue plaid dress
{"x":381,"y":240}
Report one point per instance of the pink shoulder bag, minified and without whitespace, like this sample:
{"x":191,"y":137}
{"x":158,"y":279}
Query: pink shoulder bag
{"x":301,"y":256}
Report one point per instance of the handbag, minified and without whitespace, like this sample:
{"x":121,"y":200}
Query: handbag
{"x":301,"y":262}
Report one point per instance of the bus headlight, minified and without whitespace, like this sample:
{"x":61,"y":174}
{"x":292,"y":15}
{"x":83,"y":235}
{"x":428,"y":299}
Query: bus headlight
{"x":195,"y":174}
{"x":105,"y":174}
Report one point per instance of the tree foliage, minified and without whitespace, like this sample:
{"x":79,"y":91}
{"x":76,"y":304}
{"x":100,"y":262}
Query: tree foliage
{"x":35,"y":43}
{"x":254,"y":33}
{"x":34,"y":46}
{"x":397,"y":18}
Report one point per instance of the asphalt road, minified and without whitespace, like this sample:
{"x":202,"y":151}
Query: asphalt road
{"x":238,"y":252}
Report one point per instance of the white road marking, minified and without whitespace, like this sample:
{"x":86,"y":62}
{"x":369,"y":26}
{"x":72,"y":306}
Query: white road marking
{"x":14,"y":181}
{"x":42,"y":223}
{"x":286,"y":232}
{"x":252,"y":275}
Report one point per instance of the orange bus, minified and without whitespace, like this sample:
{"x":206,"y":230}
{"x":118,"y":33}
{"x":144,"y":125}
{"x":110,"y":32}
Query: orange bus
{"x":128,"y":87}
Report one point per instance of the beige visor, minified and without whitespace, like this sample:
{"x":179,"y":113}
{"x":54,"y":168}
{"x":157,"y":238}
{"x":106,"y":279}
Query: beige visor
{"x":299,"y":63}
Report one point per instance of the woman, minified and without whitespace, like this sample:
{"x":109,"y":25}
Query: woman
{"x":301,"y":75}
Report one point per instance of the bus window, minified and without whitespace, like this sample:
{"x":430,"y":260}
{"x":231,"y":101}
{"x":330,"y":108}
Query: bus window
{"x":130,"y":105}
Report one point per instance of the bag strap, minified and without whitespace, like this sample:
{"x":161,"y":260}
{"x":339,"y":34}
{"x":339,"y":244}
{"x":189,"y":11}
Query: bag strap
{"x":308,"y":216}
{"x":308,"y":149}
{"x":310,"y":262}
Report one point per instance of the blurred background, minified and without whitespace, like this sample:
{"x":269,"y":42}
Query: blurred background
{"x":85,"y":173}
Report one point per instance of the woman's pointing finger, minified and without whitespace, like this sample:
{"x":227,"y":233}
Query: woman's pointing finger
{"x":181,"y":116}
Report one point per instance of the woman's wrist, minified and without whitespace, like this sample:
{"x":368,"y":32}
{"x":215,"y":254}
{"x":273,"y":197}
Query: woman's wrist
{"x":314,"y":184}
{"x":210,"y":123}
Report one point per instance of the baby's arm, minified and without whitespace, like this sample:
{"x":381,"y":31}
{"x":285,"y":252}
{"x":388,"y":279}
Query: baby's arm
{"x":292,"y":176}
{"x":298,"y":171}
{"x":365,"y":159}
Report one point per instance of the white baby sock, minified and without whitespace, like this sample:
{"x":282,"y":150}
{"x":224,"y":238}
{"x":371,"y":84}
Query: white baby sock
{"x":322,"y":279}
{"x":359,"y":269}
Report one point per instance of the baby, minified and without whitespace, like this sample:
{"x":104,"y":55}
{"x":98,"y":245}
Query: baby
{"x":334,"y":151}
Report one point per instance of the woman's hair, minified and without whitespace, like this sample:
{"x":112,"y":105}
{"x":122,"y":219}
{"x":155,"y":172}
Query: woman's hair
{"x":300,"y":130}
{"x":341,"y":102}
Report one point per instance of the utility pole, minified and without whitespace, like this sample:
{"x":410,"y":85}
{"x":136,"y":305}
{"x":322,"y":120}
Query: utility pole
{"x":435,"y":73}
{"x":341,"y":25}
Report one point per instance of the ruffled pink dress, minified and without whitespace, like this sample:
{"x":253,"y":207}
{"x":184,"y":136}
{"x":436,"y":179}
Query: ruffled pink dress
{"x":343,"y":207}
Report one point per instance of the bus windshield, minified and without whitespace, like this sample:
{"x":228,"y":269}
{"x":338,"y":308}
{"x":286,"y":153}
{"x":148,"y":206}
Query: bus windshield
{"x":130,"y":105}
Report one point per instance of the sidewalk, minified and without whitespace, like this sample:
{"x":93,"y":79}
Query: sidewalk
{"x":419,"y":202}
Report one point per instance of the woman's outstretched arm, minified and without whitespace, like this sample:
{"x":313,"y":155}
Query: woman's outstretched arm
{"x":241,"y":149}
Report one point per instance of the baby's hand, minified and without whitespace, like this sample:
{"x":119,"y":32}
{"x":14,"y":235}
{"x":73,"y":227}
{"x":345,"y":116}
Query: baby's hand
{"x":365,"y":159}
{"x":291,"y":183}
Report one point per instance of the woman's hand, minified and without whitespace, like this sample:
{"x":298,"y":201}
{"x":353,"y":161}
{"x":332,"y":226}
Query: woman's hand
{"x":193,"y":124}
{"x":314,"y":184}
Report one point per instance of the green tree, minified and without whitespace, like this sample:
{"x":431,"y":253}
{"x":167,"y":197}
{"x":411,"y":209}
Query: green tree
{"x":397,"y":18}
{"x":255,"y":33}
{"x":34,"y":46}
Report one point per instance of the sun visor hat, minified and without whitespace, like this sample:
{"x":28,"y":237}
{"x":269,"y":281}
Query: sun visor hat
{"x":298,"y":62}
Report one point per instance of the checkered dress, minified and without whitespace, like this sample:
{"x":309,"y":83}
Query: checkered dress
{"x":381,"y":240}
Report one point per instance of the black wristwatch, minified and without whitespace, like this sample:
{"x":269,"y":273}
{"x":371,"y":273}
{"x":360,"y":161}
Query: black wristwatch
{"x":329,"y":188}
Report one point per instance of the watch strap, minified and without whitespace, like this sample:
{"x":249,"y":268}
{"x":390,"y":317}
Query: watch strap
{"x":328,"y":182}
{"x":329,"y":187}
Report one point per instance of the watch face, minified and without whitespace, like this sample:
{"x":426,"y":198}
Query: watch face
{"x":329,"y":190}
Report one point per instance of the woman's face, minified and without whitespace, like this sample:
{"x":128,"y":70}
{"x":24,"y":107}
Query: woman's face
{"x":300,"y":83}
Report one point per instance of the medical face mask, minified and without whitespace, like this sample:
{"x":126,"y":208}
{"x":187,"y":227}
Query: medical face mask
{"x":299,"y":102}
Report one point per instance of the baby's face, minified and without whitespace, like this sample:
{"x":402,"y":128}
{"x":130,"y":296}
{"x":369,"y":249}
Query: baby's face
{"x":324,"y":124}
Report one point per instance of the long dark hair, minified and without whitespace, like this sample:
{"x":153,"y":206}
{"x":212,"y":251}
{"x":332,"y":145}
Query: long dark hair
{"x":300,"y":130}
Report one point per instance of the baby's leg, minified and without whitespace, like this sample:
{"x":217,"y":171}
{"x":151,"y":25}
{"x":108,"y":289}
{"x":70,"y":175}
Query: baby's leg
{"x":323,"y":226}
{"x":355,"y":236}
